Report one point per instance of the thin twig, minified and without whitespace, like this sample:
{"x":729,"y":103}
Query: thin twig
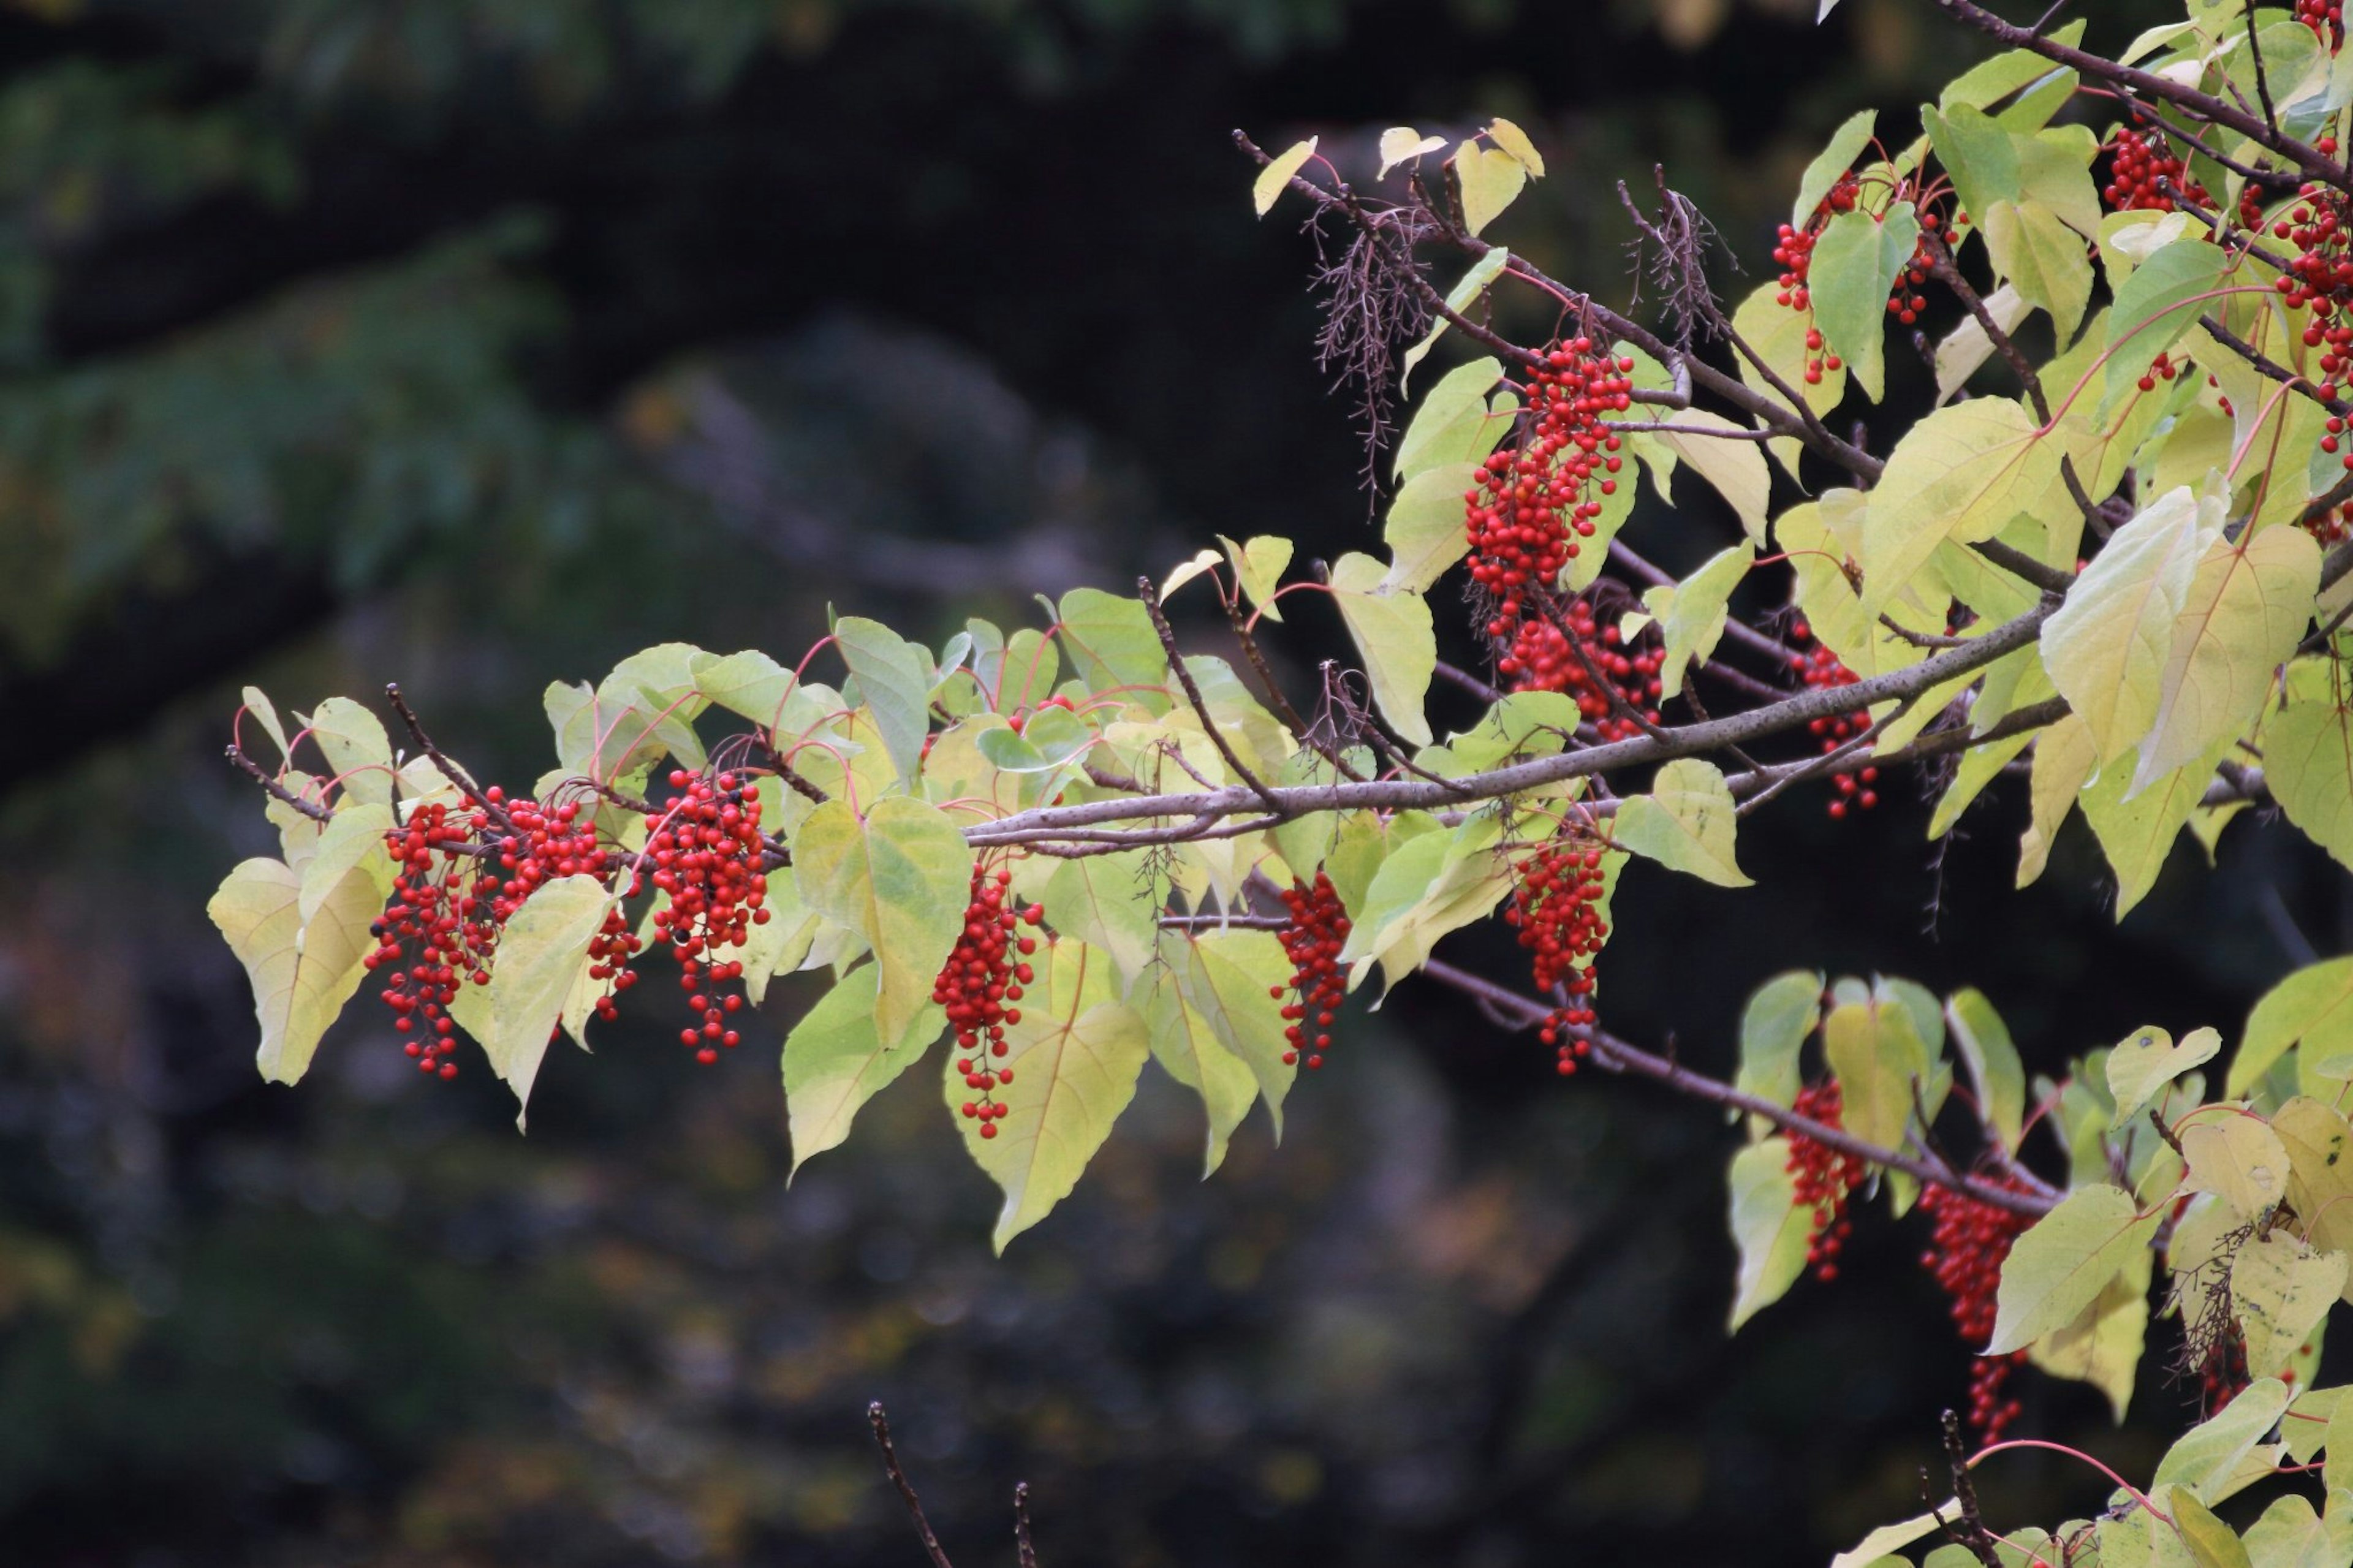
{"x":881,"y":1424}
{"x":1025,"y":1553}
{"x":1151,"y":597}
{"x":276,"y":791}
{"x":450,"y":769}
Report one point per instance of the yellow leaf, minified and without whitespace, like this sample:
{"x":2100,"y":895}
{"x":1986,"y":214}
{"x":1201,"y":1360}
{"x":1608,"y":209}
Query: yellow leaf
{"x":2061,"y":1264}
{"x":1258,"y":568}
{"x":2102,"y":1344}
{"x":2064,"y":759}
{"x":2281,"y":1290}
{"x":835,"y":1061}
{"x":1515,"y":141}
{"x":2309,"y":763}
{"x":2312,"y":1008}
{"x":1882,"y":1065}
{"x":1962,"y":473}
{"x":1393,"y":630}
{"x":1272,"y":179}
{"x":1732,"y":465}
{"x":542,"y":953}
{"x":2145,"y":1061}
{"x":1489,"y":178}
{"x":2320,"y":1170}
{"x":1401,"y":143}
{"x":302,"y":972}
{"x":1691,"y":613}
{"x":1768,"y":1226}
{"x":900,"y":878}
{"x":2238,"y":1159}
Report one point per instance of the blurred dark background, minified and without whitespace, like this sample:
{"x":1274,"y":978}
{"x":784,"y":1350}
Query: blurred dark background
{"x":479,"y":342}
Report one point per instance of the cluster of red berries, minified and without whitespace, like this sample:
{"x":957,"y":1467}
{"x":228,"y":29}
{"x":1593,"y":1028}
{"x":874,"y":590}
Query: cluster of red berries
{"x":1819,"y":669}
{"x":1316,"y":932}
{"x":1535,"y":501}
{"x":707,"y":854}
{"x":2332,"y":526}
{"x":1966,"y":1253}
{"x":2223,"y":1372}
{"x":2320,"y":278}
{"x":1590,"y":662}
{"x":1557,"y":909}
{"x":984,"y":972}
{"x":1905,"y":300}
{"x":2326,"y":18}
{"x":1823,"y":1178}
{"x":439,"y":930}
{"x":2145,"y":175}
{"x":2162,"y":368}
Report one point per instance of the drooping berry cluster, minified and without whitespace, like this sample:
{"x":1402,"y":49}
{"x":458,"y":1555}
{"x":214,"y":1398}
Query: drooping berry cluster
{"x":1819,"y":669}
{"x":983,"y":977}
{"x":2332,"y":526}
{"x":1557,"y":909}
{"x":1823,"y":1177}
{"x":1317,"y":931}
{"x":1570,"y":653}
{"x":1965,"y":1253}
{"x":560,"y":840}
{"x":2326,"y":18}
{"x":1905,"y":300}
{"x":2145,"y":175}
{"x":1536,"y":500}
{"x":439,"y":930}
{"x":706,"y":854}
{"x":2319,"y":278}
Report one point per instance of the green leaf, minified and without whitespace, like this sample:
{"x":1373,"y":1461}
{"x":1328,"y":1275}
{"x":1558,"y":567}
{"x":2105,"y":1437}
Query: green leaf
{"x":2312,"y":1008}
{"x":2244,"y":608}
{"x":1962,"y":474}
{"x":1257,"y":569}
{"x":302,"y":973}
{"x":1685,"y":823}
{"x":1109,"y":902}
{"x":1874,"y":1550}
{"x":1483,"y":271}
{"x":1983,"y":1040}
{"x":2162,"y":299}
{"x":1424,"y":529}
{"x":1188,"y":1047}
{"x":358,"y":753}
{"x":2291,"y":1535}
{"x":1491,"y":180}
{"x":1981,"y":156}
{"x":1075,"y":1060}
{"x":1990,"y":81}
{"x":2206,"y":1457}
{"x":2281,"y":1292}
{"x":900,"y":878}
{"x":1396,"y":638}
{"x":1022,"y":673}
{"x":1769,"y":1227}
{"x":2211,"y":1543}
{"x":835,"y":1061}
{"x":542,"y":953}
{"x":1837,"y":156}
{"x":2042,"y":259}
{"x":1773,"y":1027}
{"x":895,"y":678}
{"x":1226,"y":977}
{"x":1112,"y":642}
{"x":353,"y":840}
{"x":1778,"y":334}
{"x":2309,"y":763}
{"x":2138,"y":831}
{"x":1882,"y":1065}
{"x":753,"y":686}
{"x":2102,"y":1344}
{"x":1691,"y":613}
{"x":2107,"y":647}
{"x":2145,"y":1061}
{"x":2060,"y":1265}
{"x":265,"y":714}
{"x":1854,"y":266}
{"x":1276,"y":176}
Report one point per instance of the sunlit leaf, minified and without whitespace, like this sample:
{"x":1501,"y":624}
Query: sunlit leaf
{"x":835,"y":1060}
{"x":900,"y":878}
{"x":1272,"y":179}
{"x":2061,"y":1264}
{"x":1685,"y":823}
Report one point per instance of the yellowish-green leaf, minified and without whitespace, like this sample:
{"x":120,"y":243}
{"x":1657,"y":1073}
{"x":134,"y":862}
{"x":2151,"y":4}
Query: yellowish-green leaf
{"x":835,"y":1061}
{"x":1395,"y":635}
{"x":265,"y":714}
{"x":1483,"y":271}
{"x":1984,"y":1043}
{"x":1961,"y":473}
{"x":2064,"y":757}
{"x":2061,"y":1264}
{"x":1424,"y":529}
{"x":1400,"y":143}
{"x":1491,"y":180}
{"x":1269,"y":185}
{"x":1768,"y":1226}
{"x":1108,"y":901}
{"x":1691,"y":613}
{"x":353,"y":840}
{"x":1456,"y":422}
{"x":900,"y":878}
{"x":2244,"y":608}
{"x":2138,"y":831}
{"x":2291,"y":1535}
{"x":2042,"y":259}
{"x":2102,"y":1344}
{"x":1874,"y":1549}
{"x":2107,"y":647}
{"x":1685,"y":823}
{"x":2281,"y":1290}
{"x":2211,"y":1543}
{"x":2164,"y":296}
{"x":2309,"y":763}
{"x":1226,"y":976}
{"x":302,"y":975}
{"x":1773,"y":1028}
{"x":1515,"y":141}
{"x":542,"y":953}
{"x":2148,"y":1059}
{"x":1853,"y":267}
{"x":358,"y":753}
{"x":1968,"y":345}
{"x":1075,"y":1061}
{"x":2320,"y":1170}
{"x":1732,"y":464}
{"x":2206,"y":1457}
{"x":1188,"y":1047}
{"x":1882,"y":1064}
{"x":1837,"y":156}
{"x":2312,"y":1008}
{"x":2238,"y":1159}
{"x":1112,"y":643}
{"x":1258,"y":567}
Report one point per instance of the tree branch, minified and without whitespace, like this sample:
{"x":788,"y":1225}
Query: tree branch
{"x":881,"y":1424}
